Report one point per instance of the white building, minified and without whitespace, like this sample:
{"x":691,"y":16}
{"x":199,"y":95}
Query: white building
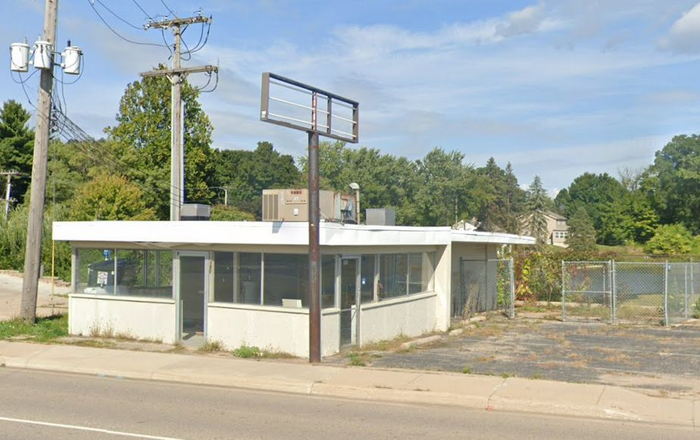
{"x":245,"y":283}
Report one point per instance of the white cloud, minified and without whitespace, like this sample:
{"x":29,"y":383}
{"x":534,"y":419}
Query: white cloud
{"x":684,"y":35}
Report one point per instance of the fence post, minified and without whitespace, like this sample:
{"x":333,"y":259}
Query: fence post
{"x":563,"y":291}
{"x":685,"y":297}
{"x":511,"y":266}
{"x":666,"y":268}
{"x":613,"y":293}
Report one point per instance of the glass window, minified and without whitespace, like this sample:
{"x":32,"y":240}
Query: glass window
{"x":285,"y":278}
{"x":327,"y":281}
{"x":415,"y":273}
{"x":143,"y":273}
{"x":223,"y":277}
{"x":367,"y":279}
{"x":249,"y":278}
{"x":95,"y":271}
{"x":392,"y":275}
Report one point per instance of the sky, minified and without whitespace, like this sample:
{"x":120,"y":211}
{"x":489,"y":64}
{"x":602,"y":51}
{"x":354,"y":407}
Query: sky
{"x":556,"y":87}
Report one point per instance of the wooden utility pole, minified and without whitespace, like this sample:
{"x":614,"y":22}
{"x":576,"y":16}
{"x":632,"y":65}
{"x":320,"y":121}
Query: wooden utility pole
{"x":32,"y":256}
{"x":177,"y":75}
{"x":8,"y":190}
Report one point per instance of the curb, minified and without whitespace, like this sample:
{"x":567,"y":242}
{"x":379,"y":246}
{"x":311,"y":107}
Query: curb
{"x":416,"y":387}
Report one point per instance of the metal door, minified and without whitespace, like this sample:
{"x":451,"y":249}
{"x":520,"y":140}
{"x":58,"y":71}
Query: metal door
{"x":192,"y":292}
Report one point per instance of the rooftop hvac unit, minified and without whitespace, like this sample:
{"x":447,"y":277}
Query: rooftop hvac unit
{"x":380,"y":216}
{"x":292,"y":205}
{"x":195,"y":211}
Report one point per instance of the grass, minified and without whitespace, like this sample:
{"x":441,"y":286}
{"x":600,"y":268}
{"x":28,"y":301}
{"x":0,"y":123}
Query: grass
{"x":247,"y":352}
{"x":252,"y":352}
{"x":211,"y":347}
{"x":357,"y":359}
{"x":44,"y":330}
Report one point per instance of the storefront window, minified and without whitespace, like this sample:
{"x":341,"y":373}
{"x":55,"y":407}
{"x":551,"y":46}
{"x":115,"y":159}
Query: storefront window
{"x":392,"y":275}
{"x":328,"y":281}
{"x":125,"y":272}
{"x":286,"y":278}
{"x":367,"y":278}
{"x":224,"y":277}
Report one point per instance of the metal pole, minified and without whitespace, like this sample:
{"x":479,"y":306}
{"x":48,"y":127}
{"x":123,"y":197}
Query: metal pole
{"x":563,"y":291}
{"x":357,"y":202}
{"x":685,"y":296}
{"x":32,"y":258}
{"x":613,"y":292}
{"x":666,"y":268}
{"x":8,"y":192}
{"x":511,"y":267}
{"x":314,"y":253}
{"x":176,"y":154}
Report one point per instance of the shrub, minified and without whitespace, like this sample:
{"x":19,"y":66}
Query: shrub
{"x":670,"y":240}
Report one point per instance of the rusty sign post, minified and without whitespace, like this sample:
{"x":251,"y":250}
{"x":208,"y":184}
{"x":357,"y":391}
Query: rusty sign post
{"x":319,"y":113}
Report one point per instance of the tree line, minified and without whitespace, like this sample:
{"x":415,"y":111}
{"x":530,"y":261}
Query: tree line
{"x":125,"y":176}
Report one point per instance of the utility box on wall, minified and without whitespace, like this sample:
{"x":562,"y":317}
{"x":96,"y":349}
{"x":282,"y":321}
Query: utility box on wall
{"x":292,"y":205}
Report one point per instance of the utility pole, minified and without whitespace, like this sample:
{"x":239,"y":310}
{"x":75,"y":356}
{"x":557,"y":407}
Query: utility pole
{"x":177,"y":75}
{"x":8,"y":190}
{"x":32,"y":256}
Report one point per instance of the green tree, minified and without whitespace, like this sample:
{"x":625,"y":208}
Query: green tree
{"x":445,"y":190}
{"x":670,"y":240}
{"x":142,"y":142}
{"x":385,"y":180}
{"x":16,"y":145}
{"x":672,"y":183}
{"x":246,"y":173}
{"x":501,"y":198}
{"x":536,"y":206}
{"x":581,"y":232}
{"x":110,"y":197}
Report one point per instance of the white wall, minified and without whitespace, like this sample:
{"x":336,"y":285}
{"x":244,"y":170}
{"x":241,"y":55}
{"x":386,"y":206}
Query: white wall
{"x":409,"y":316}
{"x":269,"y":328}
{"x":140,"y":318}
{"x":330,"y":332}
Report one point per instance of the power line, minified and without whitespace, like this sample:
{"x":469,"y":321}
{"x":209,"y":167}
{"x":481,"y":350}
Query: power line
{"x":120,"y":18}
{"x":128,"y":40}
{"x":142,"y":10}
{"x":168,"y":8}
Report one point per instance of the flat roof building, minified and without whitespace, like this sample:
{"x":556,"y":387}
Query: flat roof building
{"x":245,"y":283}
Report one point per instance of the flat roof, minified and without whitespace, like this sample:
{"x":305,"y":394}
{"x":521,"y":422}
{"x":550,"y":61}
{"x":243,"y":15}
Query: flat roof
{"x":271,"y":233}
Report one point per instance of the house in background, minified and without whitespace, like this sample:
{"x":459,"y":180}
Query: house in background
{"x":557,"y":229}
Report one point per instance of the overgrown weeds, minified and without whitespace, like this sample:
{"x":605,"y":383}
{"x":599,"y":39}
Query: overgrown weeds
{"x":44,"y":330}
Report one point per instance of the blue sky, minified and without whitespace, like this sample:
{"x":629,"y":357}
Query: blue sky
{"x":556,"y":87}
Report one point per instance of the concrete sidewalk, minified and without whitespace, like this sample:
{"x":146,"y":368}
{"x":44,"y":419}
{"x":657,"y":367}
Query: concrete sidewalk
{"x":469,"y":391}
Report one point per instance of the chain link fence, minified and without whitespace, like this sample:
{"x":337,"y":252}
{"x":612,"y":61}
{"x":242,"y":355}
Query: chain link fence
{"x":630,"y":292}
{"x":483,"y":286}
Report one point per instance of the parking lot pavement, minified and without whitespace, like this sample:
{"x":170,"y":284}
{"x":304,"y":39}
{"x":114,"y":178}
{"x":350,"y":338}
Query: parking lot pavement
{"x":658,"y":360}
{"x":11,"y":293}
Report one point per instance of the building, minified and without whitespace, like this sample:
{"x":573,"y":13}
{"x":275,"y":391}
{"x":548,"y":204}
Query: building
{"x":557,"y":229}
{"x":245,"y":283}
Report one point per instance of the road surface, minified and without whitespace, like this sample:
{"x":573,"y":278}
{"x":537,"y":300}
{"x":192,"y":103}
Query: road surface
{"x":36,"y":405}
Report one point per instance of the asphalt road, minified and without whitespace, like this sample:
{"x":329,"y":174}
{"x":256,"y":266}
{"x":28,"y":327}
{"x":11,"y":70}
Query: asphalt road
{"x":38,"y":405}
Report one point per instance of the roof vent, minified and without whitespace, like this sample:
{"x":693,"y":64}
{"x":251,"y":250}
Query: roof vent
{"x":380,"y":216}
{"x":195,"y":211}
